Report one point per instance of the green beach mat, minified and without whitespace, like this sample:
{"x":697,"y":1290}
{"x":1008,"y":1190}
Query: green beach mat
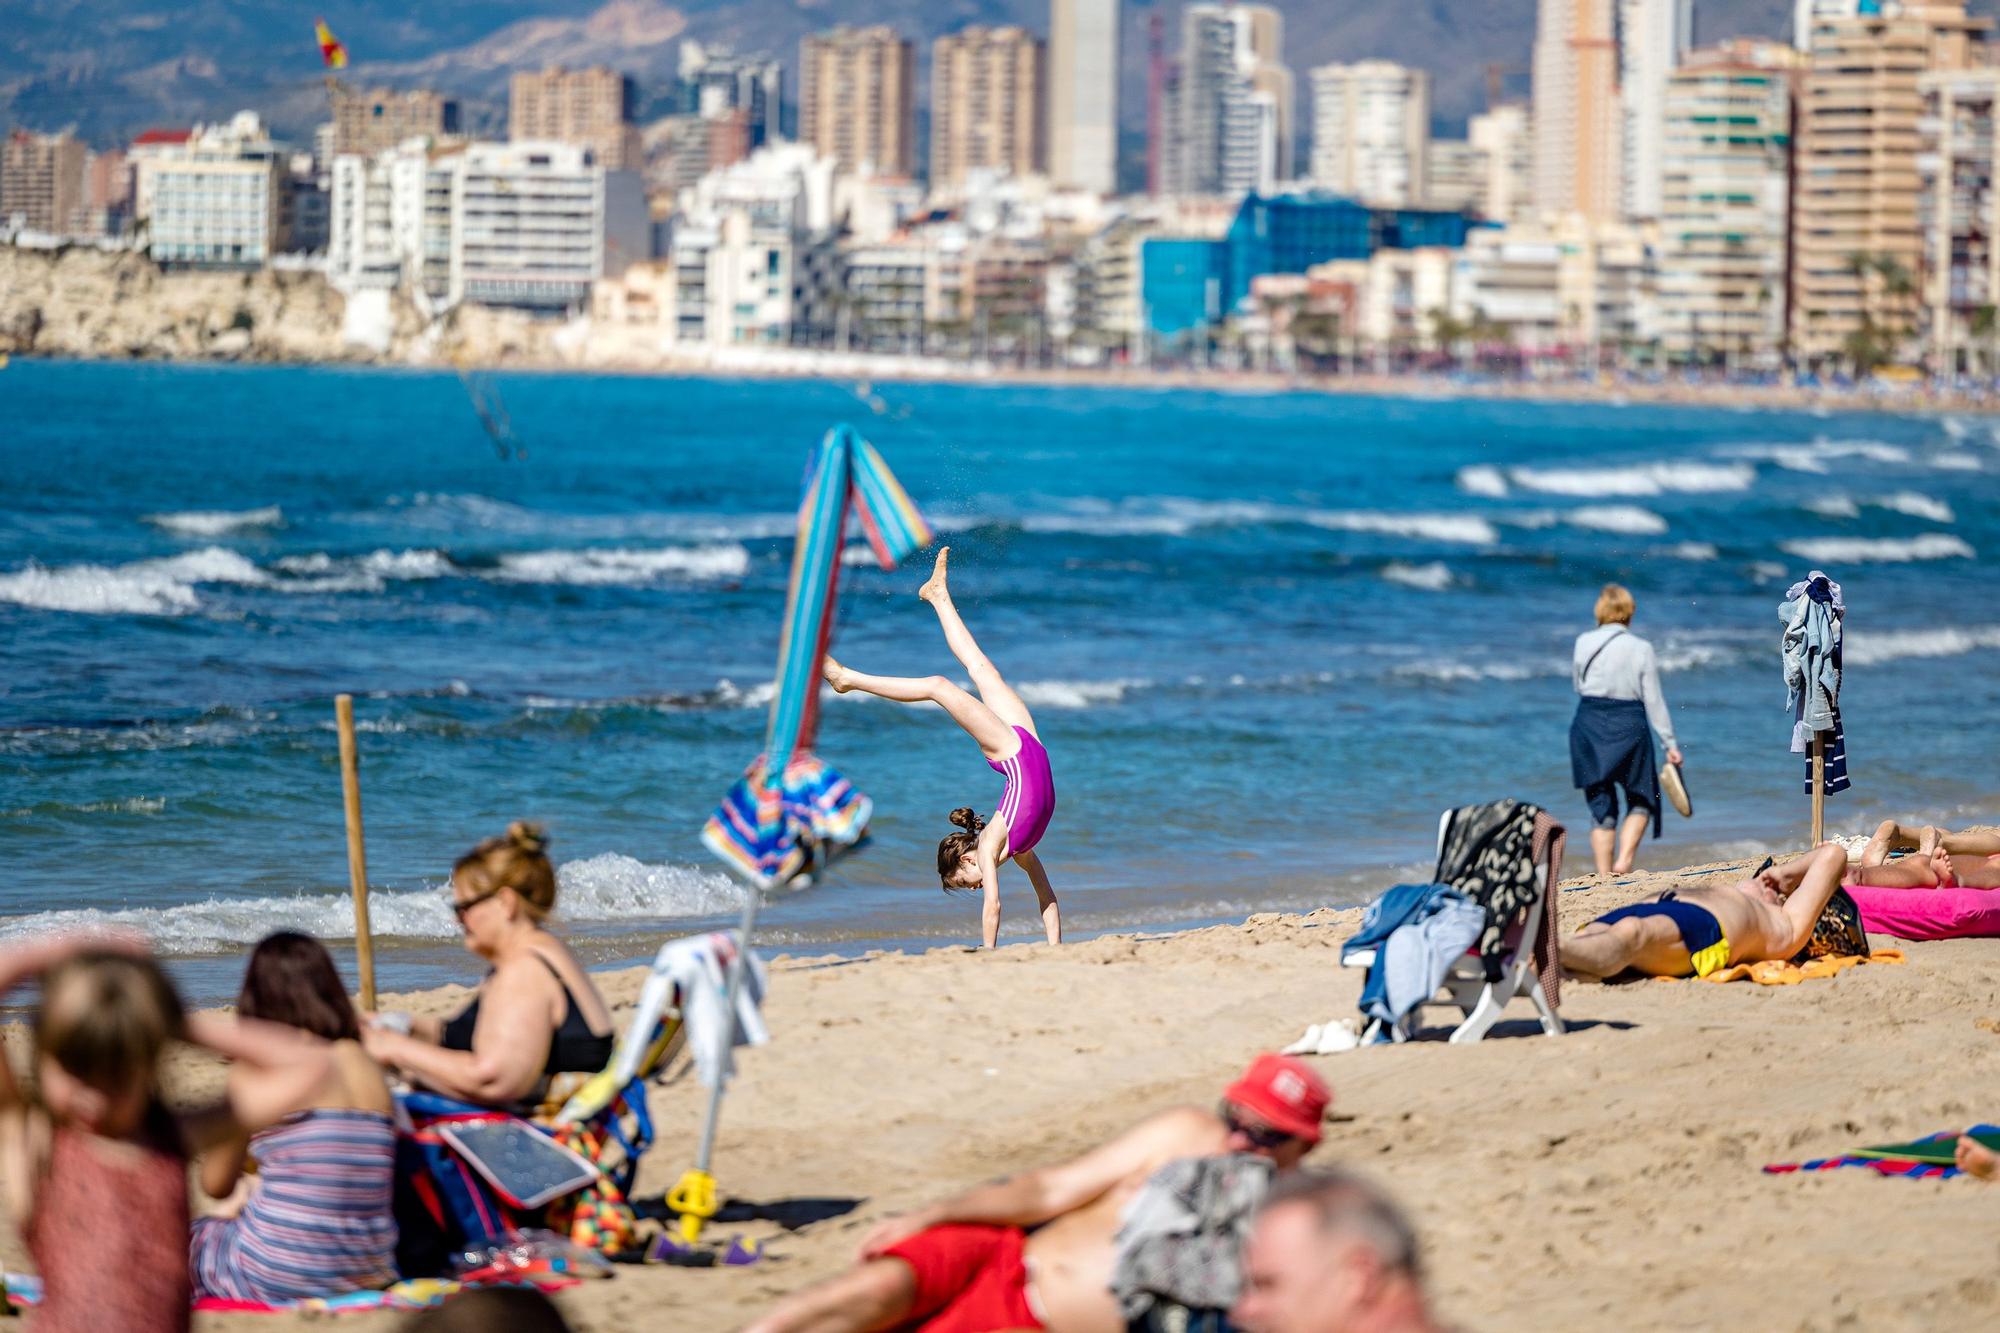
{"x":1932,"y":1152}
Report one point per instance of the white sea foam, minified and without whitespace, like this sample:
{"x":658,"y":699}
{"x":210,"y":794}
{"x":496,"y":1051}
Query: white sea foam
{"x":1881,"y":550}
{"x":1689,"y":551}
{"x":144,"y":587}
{"x":461,"y":512}
{"x":1433,"y":577}
{"x":1637,"y":479}
{"x":1483,"y":479}
{"x":1463,"y":672}
{"x":1075,"y":693}
{"x":1872,"y":647}
{"x":1629,"y":519}
{"x":1917,"y":506}
{"x":131,"y":805}
{"x":1465,"y":528}
{"x":212,"y":523}
{"x":609,"y":887}
{"x":1818,"y":456}
{"x":1831,"y":506}
{"x":1955,"y":463}
{"x":623,"y":566}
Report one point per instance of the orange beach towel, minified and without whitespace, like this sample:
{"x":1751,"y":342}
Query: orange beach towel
{"x":1791,"y":974}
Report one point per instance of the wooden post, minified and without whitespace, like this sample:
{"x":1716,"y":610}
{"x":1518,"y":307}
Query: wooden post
{"x":1818,"y":787}
{"x":357,"y":857}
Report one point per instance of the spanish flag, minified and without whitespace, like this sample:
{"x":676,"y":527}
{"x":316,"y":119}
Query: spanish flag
{"x":330,"y":50}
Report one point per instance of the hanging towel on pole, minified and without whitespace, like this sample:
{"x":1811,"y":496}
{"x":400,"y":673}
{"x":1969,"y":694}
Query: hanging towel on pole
{"x":790,"y":814}
{"x":1813,"y":611}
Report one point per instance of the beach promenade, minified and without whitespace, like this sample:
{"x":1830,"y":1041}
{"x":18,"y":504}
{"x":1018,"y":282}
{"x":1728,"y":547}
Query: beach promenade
{"x":1607,"y":1178}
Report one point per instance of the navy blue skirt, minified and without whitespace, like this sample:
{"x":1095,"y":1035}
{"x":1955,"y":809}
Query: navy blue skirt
{"x":1610,"y":741}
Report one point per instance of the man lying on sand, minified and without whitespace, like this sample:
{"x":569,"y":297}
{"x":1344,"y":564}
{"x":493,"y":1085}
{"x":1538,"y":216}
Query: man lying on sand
{"x":1696,"y":931}
{"x":1330,"y":1254}
{"x":968,"y":1264}
{"x":1944,"y":860}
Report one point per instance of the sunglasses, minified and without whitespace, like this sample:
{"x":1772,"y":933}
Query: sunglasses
{"x":1260,"y":1136}
{"x":459,"y":909}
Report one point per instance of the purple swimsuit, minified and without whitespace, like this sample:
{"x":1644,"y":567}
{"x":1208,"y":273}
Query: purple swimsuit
{"x":1030,"y":795}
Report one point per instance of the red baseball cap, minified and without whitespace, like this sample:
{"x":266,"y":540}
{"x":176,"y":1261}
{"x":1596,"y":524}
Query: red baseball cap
{"x":1285,"y":1093}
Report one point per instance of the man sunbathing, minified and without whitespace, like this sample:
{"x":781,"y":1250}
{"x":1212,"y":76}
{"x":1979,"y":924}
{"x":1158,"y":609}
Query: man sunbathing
{"x":969,"y":1264}
{"x":1696,"y":931}
{"x":1943,"y":860}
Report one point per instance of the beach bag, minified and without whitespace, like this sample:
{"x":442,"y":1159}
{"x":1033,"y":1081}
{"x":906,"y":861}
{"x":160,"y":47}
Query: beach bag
{"x":1838,"y":932}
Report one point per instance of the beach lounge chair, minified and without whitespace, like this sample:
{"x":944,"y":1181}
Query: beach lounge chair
{"x":476,"y":1200}
{"x":1479,"y":1000}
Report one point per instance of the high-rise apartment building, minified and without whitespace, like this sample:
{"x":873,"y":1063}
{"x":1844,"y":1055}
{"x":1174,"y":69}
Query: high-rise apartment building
{"x":988,"y":99}
{"x":1959,"y":213}
{"x":1454,"y":176}
{"x":1504,"y":138}
{"x":1726,"y":152}
{"x":534,"y":224}
{"x":41,"y":181}
{"x":591,"y":108}
{"x":1806,"y":14}
{"x":857,"y":99}
{"x":1653,"y":37}
{"x":1857,"y":249}
{"x":372,"y":119}
{"x":716,"y":82}
{"x":1083,"y":93}
{"x":216,"y":199}
{"x":1371,"y":131}
{"x":1229,"y":107}
{"x":1577,"y":120}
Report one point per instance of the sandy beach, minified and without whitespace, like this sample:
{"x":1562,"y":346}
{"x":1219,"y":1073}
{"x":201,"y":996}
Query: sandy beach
{"x":1610,"y":1175}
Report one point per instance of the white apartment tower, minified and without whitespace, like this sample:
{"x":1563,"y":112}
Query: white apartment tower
{"x":1505,"y":141}
{"x":1371,"y":131}
{"x":1229,"y":113}
{"x":1576,"y":115}
{"x":1083,"y":94}
{"x":1654,"y":35}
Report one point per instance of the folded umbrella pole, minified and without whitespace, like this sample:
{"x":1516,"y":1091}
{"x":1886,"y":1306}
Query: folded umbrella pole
{"x":790,"y":815}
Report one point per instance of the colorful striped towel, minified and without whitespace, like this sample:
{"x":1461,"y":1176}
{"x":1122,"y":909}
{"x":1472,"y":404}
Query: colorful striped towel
{"x":774,"y":827}
{"x":1890,"y":1166}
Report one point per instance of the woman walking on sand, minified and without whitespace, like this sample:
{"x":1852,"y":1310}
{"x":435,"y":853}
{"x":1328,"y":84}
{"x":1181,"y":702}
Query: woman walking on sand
{"x":1000,"y":722}
{"x":1617,"y":682}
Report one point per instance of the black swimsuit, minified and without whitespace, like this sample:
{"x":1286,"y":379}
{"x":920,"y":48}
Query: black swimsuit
{"x":574,"y":1049}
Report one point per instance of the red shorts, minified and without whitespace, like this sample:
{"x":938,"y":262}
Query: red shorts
{"x":970,"y":1279}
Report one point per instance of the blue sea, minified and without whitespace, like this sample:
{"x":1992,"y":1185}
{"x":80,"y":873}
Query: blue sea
{"x":1266,"y":637}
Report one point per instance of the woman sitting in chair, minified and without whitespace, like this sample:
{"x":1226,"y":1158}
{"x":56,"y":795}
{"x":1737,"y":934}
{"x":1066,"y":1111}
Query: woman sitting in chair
{"x":537,"y":1013}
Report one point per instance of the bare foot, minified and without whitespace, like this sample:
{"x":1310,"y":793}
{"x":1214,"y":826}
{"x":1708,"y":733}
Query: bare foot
{"x":836,"y":675}
{"x":1976,"y":1159}
{"x":934,"y":586}
{"x":1929,"y":840}
{"x":1941,"y":867}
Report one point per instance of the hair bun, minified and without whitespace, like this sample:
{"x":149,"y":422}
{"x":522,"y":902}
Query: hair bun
{"x":525,"y":835}
{"x":966,"y":818}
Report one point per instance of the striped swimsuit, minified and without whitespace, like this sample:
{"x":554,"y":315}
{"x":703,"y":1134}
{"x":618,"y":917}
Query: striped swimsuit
{"x":1029,"y":798}
{"x":319,"y":1222}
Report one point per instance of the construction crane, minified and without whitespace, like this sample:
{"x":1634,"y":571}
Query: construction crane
{"x":1497,"y":75}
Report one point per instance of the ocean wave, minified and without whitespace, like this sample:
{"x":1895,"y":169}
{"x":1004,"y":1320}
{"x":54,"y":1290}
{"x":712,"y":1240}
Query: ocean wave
{"x":217,"y":522}
{"x":1628,"y":519}
{"x":606,"y":888}
{"x":1433,"y":577}
{"x":1467,"y":529}
{"x":1917,"y":506}
{"x":613,"y":566}
{"x":1637,"y":479}
{"x":1880,"y":550}
{"x":1483,"y":479}
{"x":1817,"y":456}
{"x":1466,"y":672}
{"x":456,"y":513}
{"x":1872,"y":647}
{"x":1831,"y":506}
{"x":131,"y":805}
{"x":725,"y":694}
{"x":1075,"y":693}
{"x":1955,"y":463}
{"x":144,"y":587}
{"x":1689,"y":551}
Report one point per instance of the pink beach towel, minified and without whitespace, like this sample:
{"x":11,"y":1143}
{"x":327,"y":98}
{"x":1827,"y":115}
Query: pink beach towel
{"x":1929,"y":914}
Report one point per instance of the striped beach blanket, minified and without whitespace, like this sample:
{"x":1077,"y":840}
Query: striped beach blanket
{"x":1904,"y":1167}
{"x":790,"y":814}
